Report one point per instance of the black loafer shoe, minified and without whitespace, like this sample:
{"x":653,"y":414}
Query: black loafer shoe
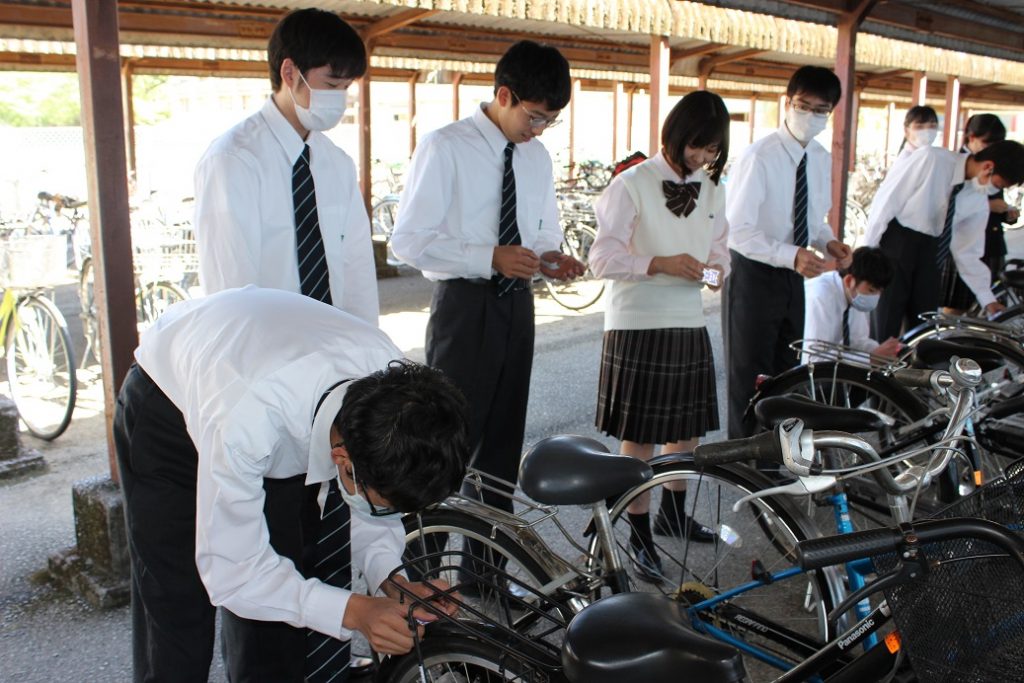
{"x":665,"y":525}
{"x":647,"y":565}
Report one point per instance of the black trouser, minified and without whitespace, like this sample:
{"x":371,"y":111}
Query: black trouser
{"x":172,"y":618}
{"x":484,"y":344}
{"x":762,"y":314}
{"x":914,"y":288}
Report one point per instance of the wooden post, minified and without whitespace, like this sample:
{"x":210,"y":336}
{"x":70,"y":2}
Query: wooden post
{"x":412,"y":113}
{"x":573,"y":108}
{"x":616,"y":100}
{"x":127,"y":83}
{"x":753,"y":117}
{"x":889,"y":111}
{"x":854,"y":121}
{"x":365,"y":140}
{"x":103,"y":125}
{"x":919,"y":94}
{"x":782,"y":110}
{"x":456,"y":82}
{"x":629,"y":119}
{"x":660,"y":58}
{"x":949,"y":130}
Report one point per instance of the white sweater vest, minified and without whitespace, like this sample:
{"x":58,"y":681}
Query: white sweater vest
{"x":663,"y":301}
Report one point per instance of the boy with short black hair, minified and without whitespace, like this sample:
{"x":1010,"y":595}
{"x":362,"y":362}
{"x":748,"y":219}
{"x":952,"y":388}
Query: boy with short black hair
{"x":277,"y":203}
{"x":779,"y":195}
{"x":839,"y":303}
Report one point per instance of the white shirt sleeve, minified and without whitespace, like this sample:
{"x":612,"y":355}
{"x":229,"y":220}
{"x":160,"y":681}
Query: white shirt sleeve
{"x":377,"y":548}
{"x":227,"y":222}
{"x":359,"y":272}
{"x":550,"y":235}
{"x":860,"y":333}
{"x":967,"y":244}
{"x":818,"y":228}
{"x":617,"y":218}
{"x":719,"y":254}
{"x":748,"y":188}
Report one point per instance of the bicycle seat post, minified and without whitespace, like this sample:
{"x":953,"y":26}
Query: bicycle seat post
{"x":615,"y":574}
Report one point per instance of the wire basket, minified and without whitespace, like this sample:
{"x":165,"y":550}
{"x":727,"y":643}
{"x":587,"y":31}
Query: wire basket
{"x":964,"y":621}
{"x":165,"y":252}
{"x":820,"y":351}
{"x":521,"y":628}
{"x":33,"y":261}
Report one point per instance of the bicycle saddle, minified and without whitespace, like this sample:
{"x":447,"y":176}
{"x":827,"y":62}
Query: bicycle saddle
{"x":772,"y":410}
{"x":936,"y":354}
{"x":577,"y":470}
{"x":643,"y":637}
{"x":71,"y":202}
{"x":1013,"y":277}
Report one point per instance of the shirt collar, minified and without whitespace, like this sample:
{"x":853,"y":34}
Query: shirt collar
{"x":290,"y":141}
{"x":668,"y":173}
{"x":960,"y":169}
{"x":791,"y":144}
{"x":492,"y":134}
{"x":320,"y":466}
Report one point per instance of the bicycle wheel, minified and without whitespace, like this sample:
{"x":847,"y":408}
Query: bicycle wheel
{"x":153,"y":298}
{"x":758,"y":538}
{"x":90,"y":321}
{"x":455,"y":659}
{"x":382,"y":223}
{"x":41,"y":367}
{"x":585,"y":290}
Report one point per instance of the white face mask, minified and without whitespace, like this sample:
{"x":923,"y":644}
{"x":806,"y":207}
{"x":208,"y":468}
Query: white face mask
{"x":922,"y":137}
{"x":978,"y":187}
{"x":326,"y":107}
{"x":357,"y":503}
{"x":864,"y":302}
{"x":805,"y":125}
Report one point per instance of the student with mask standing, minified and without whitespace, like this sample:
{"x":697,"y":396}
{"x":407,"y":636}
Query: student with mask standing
{"x":920,"y":128}
{"x":277,"y":203}
{"x":779,"y":197}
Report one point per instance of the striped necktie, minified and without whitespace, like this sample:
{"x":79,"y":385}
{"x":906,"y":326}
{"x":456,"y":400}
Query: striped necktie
{"x":327,"y":658}
{"x":508,"y":228}
{"x":800,"y":204}
{"x":314,"y":281}
{"x":846,"y":326}
{"x":946,"y":238}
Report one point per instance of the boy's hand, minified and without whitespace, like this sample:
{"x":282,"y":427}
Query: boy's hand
{"x":384,"y":622}
{"x":512,"y":260}
{"x":809,"y":264}
{"x":841,"y":253}
{"x":559,"y":266}
{"x":434,"y":591}
{"x":993,"y":308}
{"x":890,"y":348}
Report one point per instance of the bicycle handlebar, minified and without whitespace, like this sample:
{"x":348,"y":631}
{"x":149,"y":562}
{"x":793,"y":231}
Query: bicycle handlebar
{"x":765,"y":446}
{"x":823,"y":552}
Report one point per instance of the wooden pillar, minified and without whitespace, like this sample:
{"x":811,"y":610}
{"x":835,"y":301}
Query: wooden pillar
{"x":616,"y":98}
{"x":782,"y":111}
{"x":99,"y":76}
{"x":365,"y":139}
{"x":949,"y":131}
{"x":843,"y":116}
{"x":456,"y":82}
{"x":854,"y":120}
{"x":127,"y":83}
{"x":919,"y":94}
{"x":574,"y":106}
{"x":659,"y":89}
{"x":753,"y":117}
{"x":629,"y":119}
{"x":412,"y":113}
{"x":890,"y":109}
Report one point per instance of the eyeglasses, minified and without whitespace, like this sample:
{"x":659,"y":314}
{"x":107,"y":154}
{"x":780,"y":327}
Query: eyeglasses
{"x":802,"y":106}
{"x":537,"y":121}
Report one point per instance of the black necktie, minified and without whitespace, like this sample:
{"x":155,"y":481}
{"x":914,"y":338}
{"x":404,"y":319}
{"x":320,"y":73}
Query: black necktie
{"x":942,"y":250}
{"x":309,"y":244}
{"x":680,"y":198}
{"x":327,"y":657}
{"x":800,"y":204}
{"x":508,"y":228}
{"x":846,"y":326}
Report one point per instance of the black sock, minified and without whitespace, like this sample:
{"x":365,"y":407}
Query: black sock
{"x":640,"y":535}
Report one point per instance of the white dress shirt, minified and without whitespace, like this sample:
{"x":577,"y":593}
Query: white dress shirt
{"x":759,"y":203}
{"x":824,"y":303}
{"x":916,"y":192}
{"x":245,"y":218}
{"x":246,"y":368}
{"x":448,"y":214}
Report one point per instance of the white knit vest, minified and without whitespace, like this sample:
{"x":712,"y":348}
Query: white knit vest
{"x":663,"y":301}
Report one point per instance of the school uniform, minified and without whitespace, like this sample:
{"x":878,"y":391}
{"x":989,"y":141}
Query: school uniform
{"x":245,"y":216}
{"x":763,"y":302}
{"x":657,"y":380}
{"x":480,"y":333}
{"x":222,"y":432}
{"x":995,"y":242}
{"x":907,"y":219}
{"x":829,"y":317}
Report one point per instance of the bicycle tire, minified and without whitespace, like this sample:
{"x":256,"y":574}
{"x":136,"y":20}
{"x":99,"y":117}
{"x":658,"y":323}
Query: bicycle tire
{"x":153,"y":298}
{"x":459,"y":659}
{"x":587,"y":289}
{"x":90,"y":320}
{"x":41,"y":367}
{"x":767,"y":533}
{"x":383,"y":216}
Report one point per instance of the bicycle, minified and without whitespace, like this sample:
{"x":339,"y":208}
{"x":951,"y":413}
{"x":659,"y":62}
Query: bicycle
{"x":585,"y":291}
{"x":34,"y":335}
{"x":383,"y":216}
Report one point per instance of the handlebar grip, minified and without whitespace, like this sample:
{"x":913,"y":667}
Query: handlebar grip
{"x":766,"y":446}
{"x":816,"y":553}
{"x":913,"y":377}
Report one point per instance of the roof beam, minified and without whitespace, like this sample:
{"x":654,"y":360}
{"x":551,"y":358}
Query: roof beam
{"x":394,"y":22}
{"x":698,"y":51}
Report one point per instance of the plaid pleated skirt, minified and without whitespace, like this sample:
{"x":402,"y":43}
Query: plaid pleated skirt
{"x":953,"y":291}
{"x":657,"y":386}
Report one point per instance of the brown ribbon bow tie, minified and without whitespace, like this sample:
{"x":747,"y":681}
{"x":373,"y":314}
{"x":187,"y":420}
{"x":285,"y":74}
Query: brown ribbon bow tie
{"x":680,"y":198}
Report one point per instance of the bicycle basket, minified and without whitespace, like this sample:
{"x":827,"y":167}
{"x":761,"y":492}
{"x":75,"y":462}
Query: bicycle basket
{"x":33,"y":261}
{"x":518,"y":625}
{"x":964,"y":621}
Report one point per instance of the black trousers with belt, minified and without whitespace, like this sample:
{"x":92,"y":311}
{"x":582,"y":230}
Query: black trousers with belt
{"x":172,"y":618}
{"x":914,"y":288}
{"x":484,"y":344}
{"x":762,"y":314}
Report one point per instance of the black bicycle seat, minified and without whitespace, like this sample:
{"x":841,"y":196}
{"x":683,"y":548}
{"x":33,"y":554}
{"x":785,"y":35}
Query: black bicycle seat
{"x":577,"y":470}
{"x":71,"y":202}
{"x":643,"y":637}
{"x":936,"y":354}
{"x":772,"y":410}
{"x":1013,"y":277}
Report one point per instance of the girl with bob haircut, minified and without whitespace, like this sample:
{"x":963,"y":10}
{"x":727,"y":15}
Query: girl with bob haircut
{"x":662,"y":236}
{"x":920,"y":127}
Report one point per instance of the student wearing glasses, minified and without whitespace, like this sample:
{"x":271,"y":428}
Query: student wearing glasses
{"x":777,"y":206}
{"x":478,"y":216}
{"x":266,"y":443}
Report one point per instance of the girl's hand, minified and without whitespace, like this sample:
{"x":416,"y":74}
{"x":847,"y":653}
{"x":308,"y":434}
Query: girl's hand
{"x":681,"y":265}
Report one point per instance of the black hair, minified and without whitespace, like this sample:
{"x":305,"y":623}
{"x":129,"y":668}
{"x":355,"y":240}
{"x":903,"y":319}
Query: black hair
{"x":535,"y":73}
{"x":871,"y":265}
{"x":920,"y":113}
{"x":1008,"y":158}
{"x":698,"y":120}
{"x":405,"y":431}
{"x":987,"y":127}
{"x":313,"y":38}
{"x":817,"y":81}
